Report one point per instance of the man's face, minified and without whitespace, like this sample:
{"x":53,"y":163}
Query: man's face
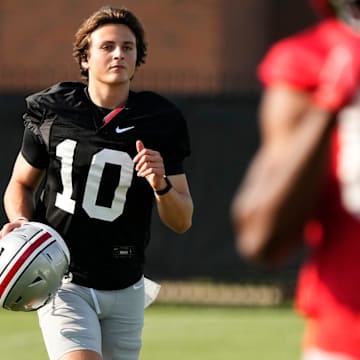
{"x":111,"y":57}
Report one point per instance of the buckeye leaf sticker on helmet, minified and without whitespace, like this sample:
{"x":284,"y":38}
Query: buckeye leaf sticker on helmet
{"x":33,"y":261}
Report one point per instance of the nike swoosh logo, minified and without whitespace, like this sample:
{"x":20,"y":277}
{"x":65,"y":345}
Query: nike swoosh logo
{"x":137,"y":287}
{"x":119,"y":130}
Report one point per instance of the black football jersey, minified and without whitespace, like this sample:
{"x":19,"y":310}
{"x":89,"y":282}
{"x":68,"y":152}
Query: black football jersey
{"x":91,"y":194}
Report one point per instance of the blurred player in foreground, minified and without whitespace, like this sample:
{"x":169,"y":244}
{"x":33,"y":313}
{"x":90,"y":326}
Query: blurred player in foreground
{"x":304,"y":181}
{"x":108,"y":155}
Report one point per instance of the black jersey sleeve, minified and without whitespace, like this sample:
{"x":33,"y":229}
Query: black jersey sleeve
{"x":33,"y":147}
{"x":35,"y":114}
{"x":34,"y":150}
{"x":178,"y":146}
{"x":166,"y":130}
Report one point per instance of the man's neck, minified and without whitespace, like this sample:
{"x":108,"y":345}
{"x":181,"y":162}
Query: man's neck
{"x":109,"y":97}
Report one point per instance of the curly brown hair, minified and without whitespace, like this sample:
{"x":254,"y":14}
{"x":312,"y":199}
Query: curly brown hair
{"x":108,"y":15}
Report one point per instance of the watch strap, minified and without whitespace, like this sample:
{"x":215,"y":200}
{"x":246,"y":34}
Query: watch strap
{"x":166,"y":189}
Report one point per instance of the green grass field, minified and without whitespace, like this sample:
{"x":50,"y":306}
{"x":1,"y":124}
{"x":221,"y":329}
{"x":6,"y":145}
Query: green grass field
{"x":182,"y":332}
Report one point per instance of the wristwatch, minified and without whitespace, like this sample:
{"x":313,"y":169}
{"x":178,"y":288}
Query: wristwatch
{"x":166,"y":189}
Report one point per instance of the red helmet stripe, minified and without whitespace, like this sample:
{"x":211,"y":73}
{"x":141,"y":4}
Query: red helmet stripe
{"x":21,"y":260}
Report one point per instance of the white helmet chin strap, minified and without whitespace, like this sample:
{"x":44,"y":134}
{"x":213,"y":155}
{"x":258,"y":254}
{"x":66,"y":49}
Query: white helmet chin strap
{"x":348,"y":11}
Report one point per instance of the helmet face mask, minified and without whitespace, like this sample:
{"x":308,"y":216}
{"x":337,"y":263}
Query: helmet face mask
{"x":33,"y":261}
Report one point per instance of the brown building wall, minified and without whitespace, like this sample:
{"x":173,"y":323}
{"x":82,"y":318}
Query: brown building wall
{"x":203,"y":46}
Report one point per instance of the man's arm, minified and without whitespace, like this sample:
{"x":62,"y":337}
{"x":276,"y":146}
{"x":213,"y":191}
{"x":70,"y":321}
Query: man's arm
{"x":19,"y":194}
{"x":280,"y":187}
{"x":176,"y":207}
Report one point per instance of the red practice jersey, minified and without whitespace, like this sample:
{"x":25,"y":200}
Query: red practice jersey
{"x":329,"y":281}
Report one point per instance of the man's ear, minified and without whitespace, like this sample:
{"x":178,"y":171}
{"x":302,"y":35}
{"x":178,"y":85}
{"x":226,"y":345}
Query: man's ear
{"x":84,"y":63}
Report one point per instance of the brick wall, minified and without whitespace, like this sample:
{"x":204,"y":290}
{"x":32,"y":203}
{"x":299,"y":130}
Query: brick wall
{"x":203,"y":46}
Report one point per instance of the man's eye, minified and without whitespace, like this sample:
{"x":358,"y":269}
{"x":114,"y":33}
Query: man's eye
{"x":106,"y":47}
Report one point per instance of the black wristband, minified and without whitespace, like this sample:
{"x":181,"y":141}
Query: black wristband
{"x":166,"y":189}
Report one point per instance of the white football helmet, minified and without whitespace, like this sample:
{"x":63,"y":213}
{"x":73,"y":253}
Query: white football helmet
{"x":33,"y":261}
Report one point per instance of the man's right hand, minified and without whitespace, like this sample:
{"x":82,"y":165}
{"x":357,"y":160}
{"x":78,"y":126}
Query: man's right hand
{"x":10,"y":226}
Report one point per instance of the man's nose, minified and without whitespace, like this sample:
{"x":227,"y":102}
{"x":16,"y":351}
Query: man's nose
{"x":118,"y":53}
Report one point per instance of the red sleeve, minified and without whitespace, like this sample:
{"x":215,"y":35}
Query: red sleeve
{"x":295,"y":61}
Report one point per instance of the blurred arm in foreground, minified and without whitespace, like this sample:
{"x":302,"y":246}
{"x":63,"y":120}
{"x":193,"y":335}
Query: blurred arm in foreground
{"x":304,"y":89}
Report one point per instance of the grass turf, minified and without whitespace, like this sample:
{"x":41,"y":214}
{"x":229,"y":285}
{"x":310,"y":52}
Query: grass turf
{"x":203,"y":333}
{"x":183,"y":332}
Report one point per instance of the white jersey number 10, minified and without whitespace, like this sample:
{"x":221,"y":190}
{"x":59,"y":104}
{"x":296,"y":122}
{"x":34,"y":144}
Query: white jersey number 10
{"x":66,"y":151}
